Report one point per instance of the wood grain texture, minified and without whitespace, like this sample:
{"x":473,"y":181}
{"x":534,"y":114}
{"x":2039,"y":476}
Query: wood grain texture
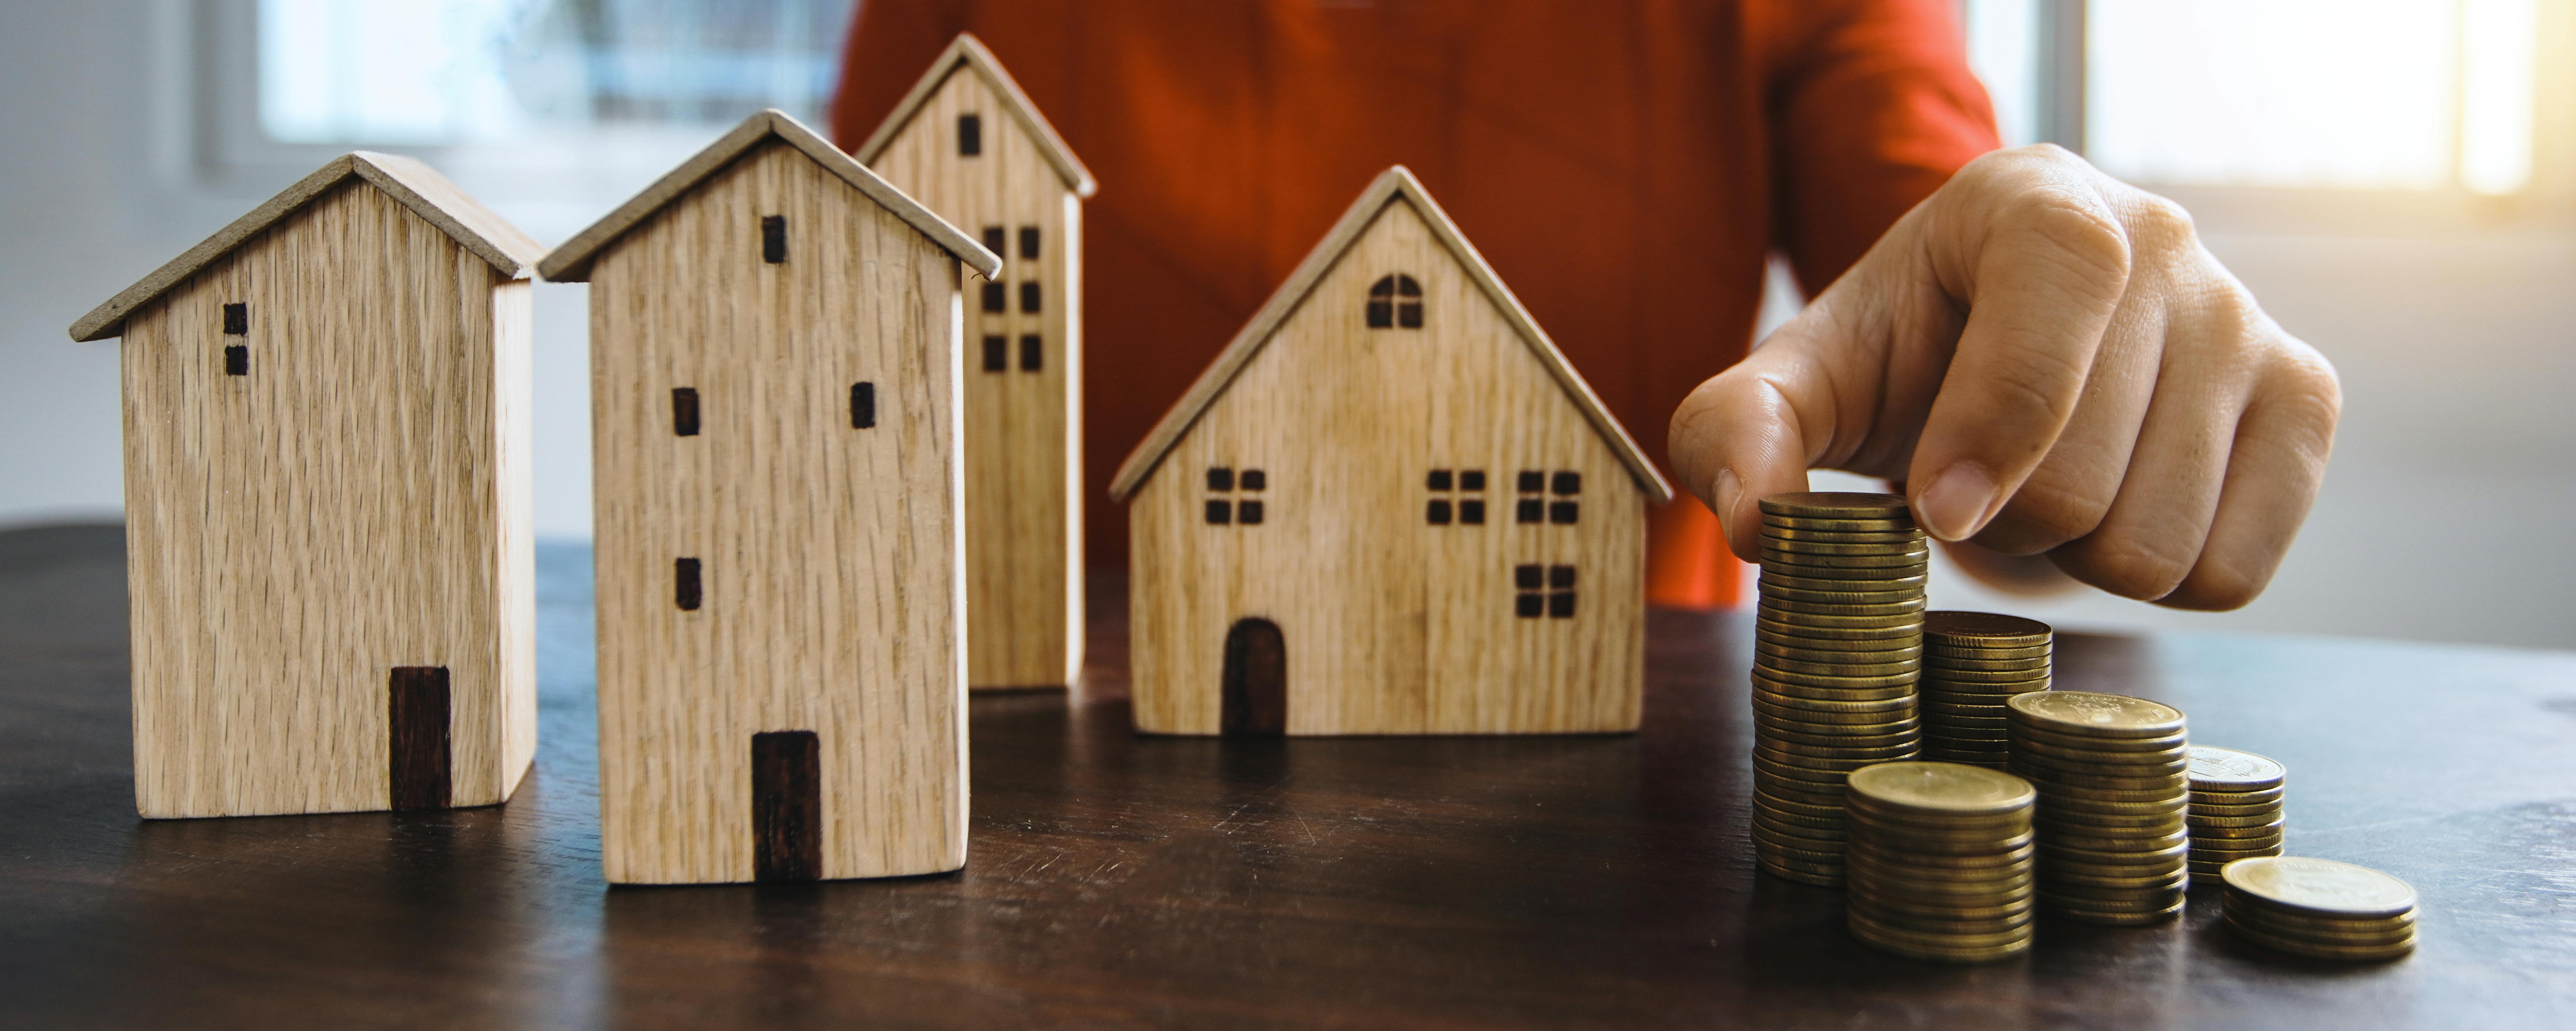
{"x":426,"y":193}
{"x":1394,"y":183}
{"x":1125,"y":881}
{"x":355,"y":503}
{"x":831,"y":555}
{"x":967,"y":53}
{"x":571,"y":262}
{"x":1023,"y":426}
{"x":1392,"y":625}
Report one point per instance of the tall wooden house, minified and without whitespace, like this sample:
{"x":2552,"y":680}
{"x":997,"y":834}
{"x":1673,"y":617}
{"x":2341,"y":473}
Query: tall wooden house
{"x":326,"y":495}
{"x":969,"y":145}
{"x":775,"y":419}
{"x":1389,"y":507}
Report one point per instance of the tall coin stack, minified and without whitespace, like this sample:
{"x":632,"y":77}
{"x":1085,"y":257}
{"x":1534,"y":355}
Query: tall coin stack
{"x":2235,"y":808}
{"x":1972,"y":663}
{"x":1940,"y":857}
{"x":2113,"y":785}
{"x":2320,"y":908}
{"x":1838,"y":640}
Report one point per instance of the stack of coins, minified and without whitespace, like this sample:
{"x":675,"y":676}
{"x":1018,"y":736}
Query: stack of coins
{"x":2112,"y":789}
{"x":1972,"y":663}
{"x":1940,"y":861}
{"x":2320,"y":908}
{"x":2235,"y":808}
{"x":1838,"y":643}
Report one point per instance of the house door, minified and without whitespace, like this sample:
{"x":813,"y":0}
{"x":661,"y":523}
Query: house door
{"x":418,"y":748}
{"x":1256,"y":680}
{"x":787,"y":806}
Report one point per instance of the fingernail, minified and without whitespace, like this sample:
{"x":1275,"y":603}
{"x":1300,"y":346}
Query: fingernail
{"x":1723,"y":493}
{"x":1956,"y":502}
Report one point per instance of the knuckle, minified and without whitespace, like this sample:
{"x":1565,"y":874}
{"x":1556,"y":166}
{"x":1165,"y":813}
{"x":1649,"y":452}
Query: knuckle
{"x":2218,"y":586}
{"x":2132,"y":566}
{"x":2075,"y":226}
{"x":2048,"y":512}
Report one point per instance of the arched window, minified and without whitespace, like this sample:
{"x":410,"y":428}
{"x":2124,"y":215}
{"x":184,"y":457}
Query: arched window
{"x":1395,"y":300}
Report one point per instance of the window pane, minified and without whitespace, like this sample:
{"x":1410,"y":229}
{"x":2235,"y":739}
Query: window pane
{"x":1220,"y":513}
{"x":1471,"y":513}
{"x":1440,"y":479}
{"x":1220,"y":477}
{"x":1255,"y":479}
{"x":2332,"y":93}
{"x":1249,"y":512}
{"x":1437,"y":514}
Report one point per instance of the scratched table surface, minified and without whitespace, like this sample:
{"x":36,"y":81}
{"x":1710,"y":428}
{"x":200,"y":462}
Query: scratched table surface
{"x":1120,"y":881}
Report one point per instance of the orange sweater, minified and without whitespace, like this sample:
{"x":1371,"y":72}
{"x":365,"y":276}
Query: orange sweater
{"x":1624,"y":164}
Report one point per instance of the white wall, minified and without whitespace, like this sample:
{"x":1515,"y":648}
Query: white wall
{"x":2444,"y":517}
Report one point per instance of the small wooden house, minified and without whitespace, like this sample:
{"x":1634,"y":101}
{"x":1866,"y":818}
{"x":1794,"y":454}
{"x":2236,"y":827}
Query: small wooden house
{"x":969,"y":145}
{"x":1389,"y":507}
{"x":326,"y":495}
{"x":775,"y":428}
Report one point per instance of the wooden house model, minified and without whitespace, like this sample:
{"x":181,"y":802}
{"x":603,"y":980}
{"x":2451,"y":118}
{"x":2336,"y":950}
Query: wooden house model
{"x":969,"y":145}
{"x":1389,"y":507}
{"x":326,"y":496}
{"x":775,"y":419}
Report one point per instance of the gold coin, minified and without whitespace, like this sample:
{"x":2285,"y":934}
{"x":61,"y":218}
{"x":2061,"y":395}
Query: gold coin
{"x":1959,"y":713}
{"x":1773,"y":664}
{"x":1865,"y":581}
{"x":1794,"y":829}
{"x":1953,"y":835}
{"x":1906,"y":621}
{"x":2226,"y":769}
{"x":2003,"y":905}
{"x":1988,"y":629}
{"x":1942,"y":789}
{"x":1797,"y":635}
{"x":2100,"y":764}
{"x":1796,"y":563}
{"x":1803,"y":873}
{"x":2292,"y":923}
{"x":1881,"y":753}
{"x":1836,"y":504}
{"x":1790,"y":849}
{"x":2321,"y":950}
{"x":1769,"y":593}
{"x":2118,"y":917}
{"x":2116,"y":850}
{"x":1953,"y":723}
{"x":1968,"y":654}
{"x":2089,"y":713}
{"x":1953,"y":664}
{"x":1934,"y":954}
{"x":1913,"y":546}
{"x":1817,"y":763}
{"x":1774,"y":520}
{"x":1808,"y":792}
{"x":2161,"y":894}
{"x":1799,"y":533}
{"x":1799,"y":808}
{"x":2222,"y":850}
{"x":2121,"y":746}
{"x":1907,"y":607}
{"x":2059,"y":800}
{"x":1927,"y":923}
{"x":1893,"y":877}
{"x":1802,"y":708}
{"x":2342,"y":940}
{"x":2245,"y":832}
{"x":2103,"y":788}
{"x":1972,"y":676}
{"x":1819,"y":779}
{"x":1999,"y":858}
{"x":1840,"y":651}
{"x":1764,"y":682}
{"x":1868,"y":929}
{"x":2095,"y":823}
{"x":1849,"y":737}
{"x":1763,"y":812}
{"x":1764,"y":675}
{"x":2248,"y":816}
{"x":2115,"y":838}
{"x":1973,"y":751}
{"x":2224,"y":802}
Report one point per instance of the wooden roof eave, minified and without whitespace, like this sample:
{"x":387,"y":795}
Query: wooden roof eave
{"x":571,"y":262}
{"x":1396,"y":183}
{"x":416,"y":186}
{"x":968,"y":52}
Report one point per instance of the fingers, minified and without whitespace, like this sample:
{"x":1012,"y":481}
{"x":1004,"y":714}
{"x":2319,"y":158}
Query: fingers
{"x":1745,"y":434}
{"x":2050,"y":265}
{"x":2273,"y":472}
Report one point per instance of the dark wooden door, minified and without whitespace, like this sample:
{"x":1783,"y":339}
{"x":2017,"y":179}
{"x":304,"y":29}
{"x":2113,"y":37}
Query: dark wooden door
{"x":787,"y":806}
{"x":1256,"y":680}
{"x":419,"y":750}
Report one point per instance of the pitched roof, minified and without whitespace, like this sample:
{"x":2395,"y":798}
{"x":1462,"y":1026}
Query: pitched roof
{"x":1396,"y":184}
{"x":571,"y":262}
{"x":969,"y":52}
{"x":428,"y":194}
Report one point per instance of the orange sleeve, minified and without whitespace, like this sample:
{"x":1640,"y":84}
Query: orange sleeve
{"x":890,"y":42}
{"x":1872,"y":107}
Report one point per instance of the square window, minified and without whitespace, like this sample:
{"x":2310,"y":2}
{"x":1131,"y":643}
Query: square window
{"x":1381,"y":314}
{"x":1530,"y":510}
{"x":1471,"y":513}
{"x":1532,"y":481}
{"x":1472,"y":479}
{"x":1248,"y":513}
{"x":237,"y":360}
{"x":996,"y":298}
{"x":1409,"y":315}
{"x":1561,"y":513}
{"x":994,"y":237}
{"x":1437,"y":514}
{"x":1530,"y":606}
{"x":1560,"y":577}
{"x":1440,"y":479}
{"x":1569,"y":482}
{"x":1560,"y":604}
{"x":1032,"y":353}
{"x":1220,"y":477}
{"x":1220,"y":513}
{"x":1255,"y":479}
{"x":236,"y":319}
{"x":1526,"y":576}
{"x":997,"y":353}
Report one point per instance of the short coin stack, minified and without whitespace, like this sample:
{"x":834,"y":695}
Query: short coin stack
{"x":2320,"y":908}
{"x":1837,"y":645}
{"x":1940,"y":857}
{"x":2235,"y":808}
{"x":1972,"y":663}
{"x":2112,"y":783}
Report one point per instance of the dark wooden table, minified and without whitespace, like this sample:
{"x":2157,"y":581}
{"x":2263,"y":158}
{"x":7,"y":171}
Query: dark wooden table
{"x":1122,"y":881}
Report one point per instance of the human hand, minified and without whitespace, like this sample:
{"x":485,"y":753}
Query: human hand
{"x":2051,"y":363}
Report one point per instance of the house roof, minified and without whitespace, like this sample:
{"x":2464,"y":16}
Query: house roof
{"x":428,"y":194}
{"x":1396,"y":184}
{"x":571,"y":262}
{"x":968,"y":52}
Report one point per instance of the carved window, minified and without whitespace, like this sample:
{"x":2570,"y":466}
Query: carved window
{"x":1032,"y":353}
{"x":994,"y":236}
{"x":1542,"y":590}
{"x":997,"y":298}
{"x":1395,"y":300}
{"x":1229,"y":500}
{"x":684,"y":411}
{"x":1455,"y":497}
{"x":773,"y":239}
{"x":1534,"y":485}
{"x":1028,"y":243}
{"x":970,"y":135}
{"x":997,"y":352}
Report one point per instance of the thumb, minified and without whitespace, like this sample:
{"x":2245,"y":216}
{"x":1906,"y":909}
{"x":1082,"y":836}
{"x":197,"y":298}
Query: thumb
{"x":1755,"y":429}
